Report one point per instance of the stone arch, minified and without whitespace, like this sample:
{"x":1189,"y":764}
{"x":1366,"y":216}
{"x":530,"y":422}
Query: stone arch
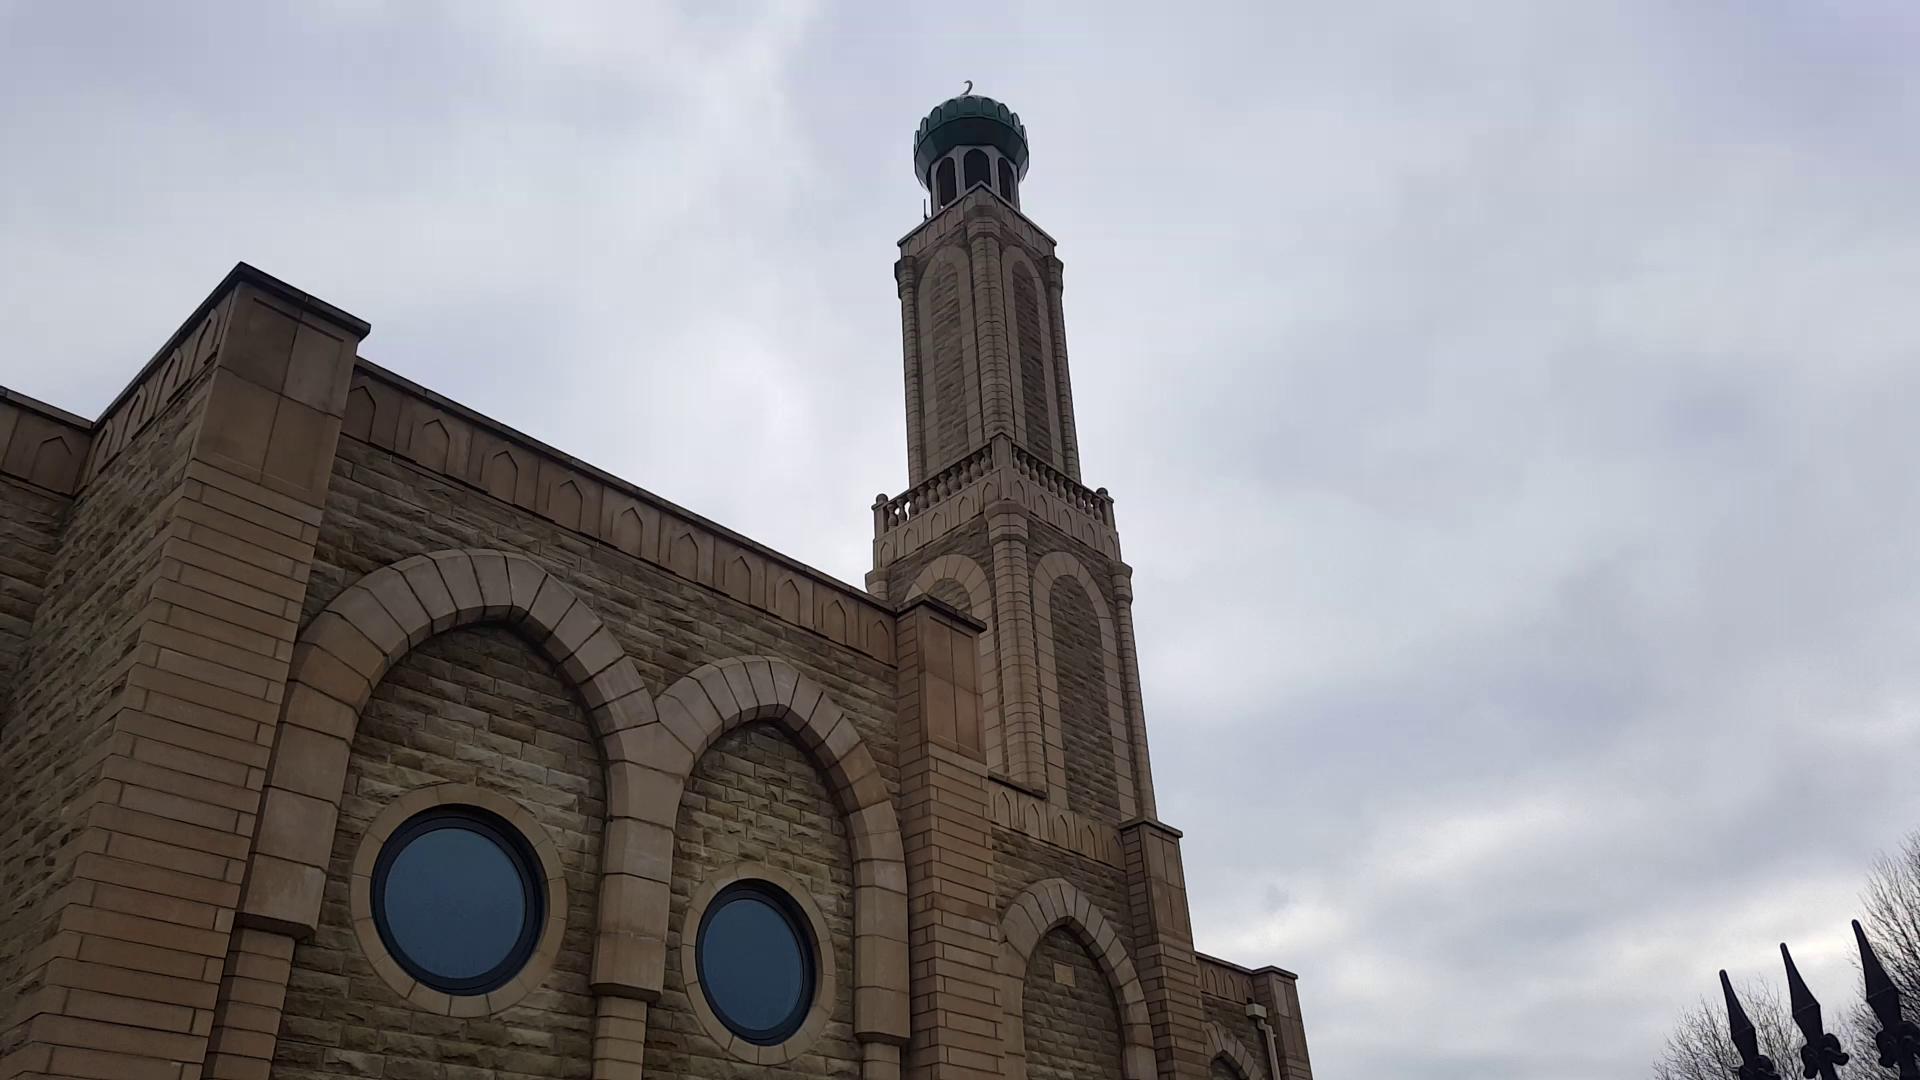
{"x":340,"y":658}
{"x":1222,"y":1043}
{"x":643,"y":796}
{"x":1047,"y":905}
{"x":1045,"y":572}
{"x":968,"y":574}
{"x":345,"y":651}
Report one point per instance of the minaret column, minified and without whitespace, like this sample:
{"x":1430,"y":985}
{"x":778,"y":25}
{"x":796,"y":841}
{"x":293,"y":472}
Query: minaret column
{"x":1130,"y":675}
{"x":1063,"y":386}
{"x":906,"y":276}
{"x":990,"y":327}
{"x":1023,"y":733}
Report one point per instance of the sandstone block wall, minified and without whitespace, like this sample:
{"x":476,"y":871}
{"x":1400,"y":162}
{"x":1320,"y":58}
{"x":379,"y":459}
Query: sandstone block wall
{"x":31,"y":521}
{"x":1093,"y":783}
{"x":1073,"y":1024}
{"x":475,"y":706}
{"x":1243,"y":1049}
{"x":953,"y":393}
{"x":756,"y":798}
{"x":382,"y":507}
{"x":57,"y":719}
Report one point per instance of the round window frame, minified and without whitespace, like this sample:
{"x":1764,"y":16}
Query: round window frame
{"x":526,"y":865}
{"x":785,"y":906}
{"x":387,"y":965}
{"x":808,"y":916}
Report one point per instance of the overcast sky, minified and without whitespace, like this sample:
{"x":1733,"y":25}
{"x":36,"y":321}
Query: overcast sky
{"x":1510,"y":407}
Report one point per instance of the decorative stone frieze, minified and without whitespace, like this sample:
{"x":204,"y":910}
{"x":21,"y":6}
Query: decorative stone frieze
{"x":42,"y":445}
{"x":389,"y":412}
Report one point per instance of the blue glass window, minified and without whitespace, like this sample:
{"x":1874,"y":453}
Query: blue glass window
{"x":756,"y":959}
{"x":458,"y":899}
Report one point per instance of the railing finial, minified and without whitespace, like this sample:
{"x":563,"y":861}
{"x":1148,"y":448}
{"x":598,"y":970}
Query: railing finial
{"x":1898,"y":1039}
{"x":1754,"y":1065}
{"x":1821,"y":1055}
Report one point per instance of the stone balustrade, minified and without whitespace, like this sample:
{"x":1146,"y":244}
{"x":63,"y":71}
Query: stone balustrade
{"x":890,"y":514}
{"x":1095,"y":504}
{"x":963,"y":490}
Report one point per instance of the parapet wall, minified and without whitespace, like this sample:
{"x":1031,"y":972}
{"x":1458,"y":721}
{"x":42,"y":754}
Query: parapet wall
{"x":415,"y":423}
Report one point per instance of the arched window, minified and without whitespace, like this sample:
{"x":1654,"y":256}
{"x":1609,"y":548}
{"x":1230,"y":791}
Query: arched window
{"x":943,"y":183}
{"x":1006,"y":182}
{"x":976,"y":170}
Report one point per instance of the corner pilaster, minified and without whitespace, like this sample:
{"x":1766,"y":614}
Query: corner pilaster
{"x":1063,"y":388}
{"x":906,"y":276}
{"x":1022,"y":721}
{"x":1279,"y":991}
{"x":1130,"y":674}
{"x":142,"y":931}
{"x":947,"y":834}
{"x":1163,"y":948}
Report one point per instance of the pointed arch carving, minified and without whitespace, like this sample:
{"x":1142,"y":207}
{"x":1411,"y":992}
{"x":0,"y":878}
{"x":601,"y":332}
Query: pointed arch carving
{"x":948,"y":337}
{"x":1030,"y":333}
{"x":969,"y":575}
{"x":643,"y":797}
{"x":1222,"y":1043}
{"x":1048,"y":905}
{"x":1045,"y":572}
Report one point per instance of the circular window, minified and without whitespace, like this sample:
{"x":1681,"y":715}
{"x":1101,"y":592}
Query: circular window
{"x":458,"y":899}
{"x":755,"y":954}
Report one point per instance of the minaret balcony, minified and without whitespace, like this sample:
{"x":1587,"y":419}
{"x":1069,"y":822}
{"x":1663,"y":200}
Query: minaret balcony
{"x":1000,"y":470}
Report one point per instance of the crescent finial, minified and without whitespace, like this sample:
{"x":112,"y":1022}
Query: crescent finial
{"x":969,"y":89}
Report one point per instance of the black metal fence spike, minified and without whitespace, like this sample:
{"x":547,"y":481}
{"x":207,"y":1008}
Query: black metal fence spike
{"x":1821,"y":1055}
{"x":1881,"y":995}
{"x":1754,"y":1065}
{"x":1799,"y":997}
{"x":1898,"y":1039}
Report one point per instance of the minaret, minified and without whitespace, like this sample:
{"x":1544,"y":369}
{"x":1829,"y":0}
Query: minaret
{"x":995,"y":520}
{"x":996,"y":523}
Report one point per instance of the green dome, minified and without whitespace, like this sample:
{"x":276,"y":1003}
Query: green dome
{"x":969,"y":120}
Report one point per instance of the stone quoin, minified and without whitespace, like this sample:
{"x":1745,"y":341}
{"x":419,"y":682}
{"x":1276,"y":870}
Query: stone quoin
{"x":350,"y":733}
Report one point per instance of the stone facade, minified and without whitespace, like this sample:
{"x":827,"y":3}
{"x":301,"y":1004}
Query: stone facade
{"x":278,"y":603}
{"x":1067,"y":996}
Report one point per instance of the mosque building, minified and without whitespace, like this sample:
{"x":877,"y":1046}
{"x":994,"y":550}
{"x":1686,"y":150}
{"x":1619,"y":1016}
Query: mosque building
{"x":346,"y":732}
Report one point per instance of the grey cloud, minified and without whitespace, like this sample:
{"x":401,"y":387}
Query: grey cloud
{"x":1508,"y":404}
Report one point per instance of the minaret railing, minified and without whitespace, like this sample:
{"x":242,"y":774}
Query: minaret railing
{"x":1000,"y":454}
{"x":1097,"y":505}
{"x":890,"y":514}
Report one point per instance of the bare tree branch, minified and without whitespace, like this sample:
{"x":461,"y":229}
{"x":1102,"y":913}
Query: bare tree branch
{"x":1892,"y":915}
{"x":1699,"y":1048}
